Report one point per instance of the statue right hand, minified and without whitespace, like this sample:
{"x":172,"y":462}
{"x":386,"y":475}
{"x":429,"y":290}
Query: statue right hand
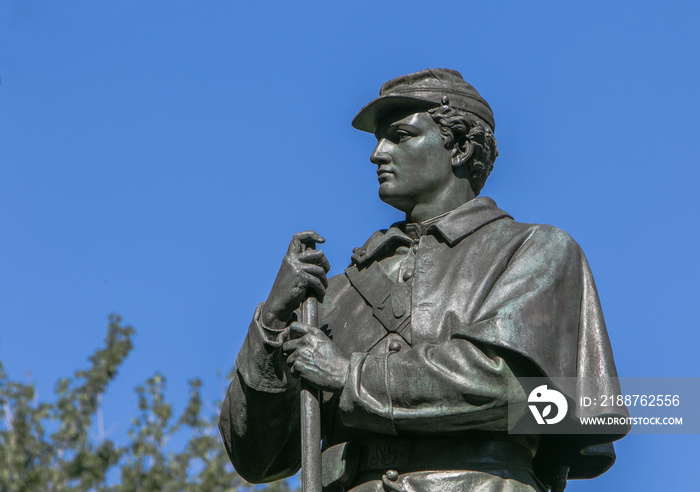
{"x":303,"y":269}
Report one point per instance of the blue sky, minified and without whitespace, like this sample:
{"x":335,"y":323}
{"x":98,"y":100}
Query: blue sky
{"x":156,"y":157}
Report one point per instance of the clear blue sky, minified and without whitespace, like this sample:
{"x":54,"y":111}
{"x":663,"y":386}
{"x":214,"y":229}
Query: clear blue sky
{"x":156,"y":157}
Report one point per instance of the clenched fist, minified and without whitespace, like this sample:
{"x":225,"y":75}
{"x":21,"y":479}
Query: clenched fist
{"x":314,"y":357}
{"x":303,"y":271}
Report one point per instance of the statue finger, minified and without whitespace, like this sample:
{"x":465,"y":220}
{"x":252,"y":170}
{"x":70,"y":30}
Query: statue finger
{"x":299,"y":367}
{"x":284,"y":336}
{"x":315,"y":284}
{"x":294,"y":369}
{"x":302,"y":240}
{"x":290,"y":346}
{"x":317,"y":272}
{"x":316,"y":257}
{"x":298,"y":330}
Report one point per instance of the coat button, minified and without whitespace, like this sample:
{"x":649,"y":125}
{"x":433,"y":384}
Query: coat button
{"x":392,"y":475}
{"x":394,"y":346}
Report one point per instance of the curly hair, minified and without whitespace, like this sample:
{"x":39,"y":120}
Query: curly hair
{"x":456,"y":124}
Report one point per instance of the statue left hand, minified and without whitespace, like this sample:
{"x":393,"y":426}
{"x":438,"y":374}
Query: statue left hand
{"x":315,"y":358}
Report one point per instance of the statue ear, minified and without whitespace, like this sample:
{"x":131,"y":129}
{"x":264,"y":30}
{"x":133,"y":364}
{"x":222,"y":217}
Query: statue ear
{"x":461,"y":152}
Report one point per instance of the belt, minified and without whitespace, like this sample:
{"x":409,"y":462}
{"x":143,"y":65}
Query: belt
{"x":406,"y":455}
{"x":361,"y":461}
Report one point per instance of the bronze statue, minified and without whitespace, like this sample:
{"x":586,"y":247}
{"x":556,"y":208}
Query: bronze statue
{"x":423,"y":335}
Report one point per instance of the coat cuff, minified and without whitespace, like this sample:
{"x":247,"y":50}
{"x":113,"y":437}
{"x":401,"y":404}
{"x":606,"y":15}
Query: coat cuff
{"x":366,"y":401}
{"x":260,"y":362}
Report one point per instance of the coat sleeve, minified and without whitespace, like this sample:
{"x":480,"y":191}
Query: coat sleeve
{"x":446,"y":387}
{"x":259,"y":421}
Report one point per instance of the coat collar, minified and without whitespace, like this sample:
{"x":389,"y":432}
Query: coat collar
{"x":466,"y":219}
{"x":453,"y":227}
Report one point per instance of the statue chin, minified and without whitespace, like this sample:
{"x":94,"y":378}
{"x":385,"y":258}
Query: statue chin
{"x":393,"y":199}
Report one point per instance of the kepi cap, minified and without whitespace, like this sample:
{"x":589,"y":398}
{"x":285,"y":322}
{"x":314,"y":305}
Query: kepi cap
{"x":426,"y":88}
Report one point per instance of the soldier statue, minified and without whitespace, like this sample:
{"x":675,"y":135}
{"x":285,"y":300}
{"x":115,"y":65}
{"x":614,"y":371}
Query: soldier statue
{"x":423,"y":338}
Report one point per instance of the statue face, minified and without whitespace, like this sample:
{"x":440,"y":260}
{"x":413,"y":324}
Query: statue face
{"x":413,"y":165}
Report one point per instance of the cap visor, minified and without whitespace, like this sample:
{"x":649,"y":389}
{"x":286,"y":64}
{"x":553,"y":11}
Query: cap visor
{"x":366,"y":120}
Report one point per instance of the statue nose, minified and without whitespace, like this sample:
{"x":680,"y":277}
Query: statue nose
{"x":380,"y":156}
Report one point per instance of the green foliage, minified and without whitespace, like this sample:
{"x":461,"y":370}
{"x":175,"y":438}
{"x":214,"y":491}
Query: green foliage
{"x":47,"y":446}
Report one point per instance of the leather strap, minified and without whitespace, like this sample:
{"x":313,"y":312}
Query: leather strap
{"x":390,"y":301}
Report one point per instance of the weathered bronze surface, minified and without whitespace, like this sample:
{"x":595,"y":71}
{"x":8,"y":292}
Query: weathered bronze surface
{"x":421,"y":338}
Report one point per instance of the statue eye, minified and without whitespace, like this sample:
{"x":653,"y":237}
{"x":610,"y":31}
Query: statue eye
{"x":402,"y":135}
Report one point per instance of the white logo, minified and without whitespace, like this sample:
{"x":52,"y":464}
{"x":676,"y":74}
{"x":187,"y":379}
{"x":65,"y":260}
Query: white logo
{"x":543,"y":395}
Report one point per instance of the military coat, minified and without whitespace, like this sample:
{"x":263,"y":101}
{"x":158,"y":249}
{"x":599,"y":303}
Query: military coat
{"x":434,"y":351}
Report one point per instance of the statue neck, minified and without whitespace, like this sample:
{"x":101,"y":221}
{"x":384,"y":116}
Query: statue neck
{"x":447,"y":200}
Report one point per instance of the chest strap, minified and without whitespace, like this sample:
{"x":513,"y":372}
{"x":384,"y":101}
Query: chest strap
{"x":390,"y":301}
